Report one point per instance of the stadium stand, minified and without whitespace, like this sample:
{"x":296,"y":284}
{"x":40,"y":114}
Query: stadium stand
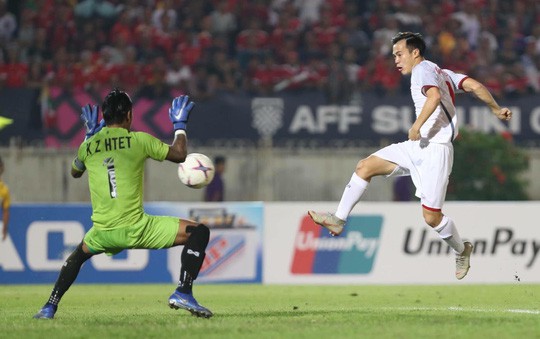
{"x":261,"y":46}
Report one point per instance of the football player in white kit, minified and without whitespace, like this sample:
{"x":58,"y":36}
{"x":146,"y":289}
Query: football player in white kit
{"x":427,"y":156}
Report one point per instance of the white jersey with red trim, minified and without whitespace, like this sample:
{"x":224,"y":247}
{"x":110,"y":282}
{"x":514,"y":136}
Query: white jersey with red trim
{"x":441,"y":126}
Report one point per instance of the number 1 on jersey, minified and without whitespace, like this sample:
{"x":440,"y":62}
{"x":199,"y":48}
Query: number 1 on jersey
{"x":109,"y":162}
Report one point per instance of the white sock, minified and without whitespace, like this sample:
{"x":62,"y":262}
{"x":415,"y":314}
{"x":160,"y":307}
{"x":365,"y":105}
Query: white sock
{"x":351,"y":195}
{"x":449,"y":233}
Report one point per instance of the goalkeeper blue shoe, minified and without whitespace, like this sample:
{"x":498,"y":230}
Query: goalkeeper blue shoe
{"x":46,"y":312}
{"x":187,"y":302}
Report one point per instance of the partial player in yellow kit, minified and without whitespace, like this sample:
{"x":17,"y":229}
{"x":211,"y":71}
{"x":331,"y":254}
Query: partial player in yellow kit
{"x":5,"y":197}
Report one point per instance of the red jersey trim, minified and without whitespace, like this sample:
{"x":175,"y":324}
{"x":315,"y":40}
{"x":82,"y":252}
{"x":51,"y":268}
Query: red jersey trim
{"x":425,"y":88}
{"x":460,"y":85}
{"x":452,"y":94}
{"x":431,"y":208}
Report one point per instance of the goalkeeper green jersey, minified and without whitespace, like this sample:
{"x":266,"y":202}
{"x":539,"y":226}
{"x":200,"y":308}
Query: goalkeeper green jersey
{"x":114,"y":159}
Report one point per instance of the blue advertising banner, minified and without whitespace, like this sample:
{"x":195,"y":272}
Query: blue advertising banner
{"x":42,"y":237}
{"x":290,"y":119}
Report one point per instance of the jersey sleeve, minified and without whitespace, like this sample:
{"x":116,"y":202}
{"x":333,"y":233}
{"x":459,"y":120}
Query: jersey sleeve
{"x":426,"y":78}
{"x":457,"y":80}
{"x":81,"y":155}
{"x":6,"y":197}
{"x":153,"y":147}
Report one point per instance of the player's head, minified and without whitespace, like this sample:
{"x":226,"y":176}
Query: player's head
{"x":116,"y":107}
{"x":412,"y":41}
{"x":219,"y":163}
{"x":408,"y":49}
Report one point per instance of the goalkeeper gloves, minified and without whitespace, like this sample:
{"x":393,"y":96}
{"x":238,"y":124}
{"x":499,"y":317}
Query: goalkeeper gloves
{"x":179,"y":112}
{"x":89,"y":116}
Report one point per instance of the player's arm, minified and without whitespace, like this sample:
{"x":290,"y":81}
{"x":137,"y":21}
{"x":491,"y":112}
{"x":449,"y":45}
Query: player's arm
{"x":179,"y":115}
{"x":6,"y":203}
{"x":77,"y":168}
{"x":433,"y":99}
{"x":5,"y":218}
{"x":89,"y":116}
{"x":178,"y":150}
{"x":471,"y":85}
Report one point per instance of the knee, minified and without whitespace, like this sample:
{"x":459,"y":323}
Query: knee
{"x":201,"y":233}
{"x":362,"y":169}
{"x":78,"y":255}
{"x":433,"y":219}
{"x":204,"y":231}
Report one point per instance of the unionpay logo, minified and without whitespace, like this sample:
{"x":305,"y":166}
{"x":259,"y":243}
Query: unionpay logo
{"x":352,"y":252}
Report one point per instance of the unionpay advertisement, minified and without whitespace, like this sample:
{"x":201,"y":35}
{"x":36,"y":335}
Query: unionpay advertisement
{"x":278,"y":243}
{"x":389,"y":243}
{"x":41,"y":237}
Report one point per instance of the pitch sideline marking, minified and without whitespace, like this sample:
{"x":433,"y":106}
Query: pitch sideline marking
{"x":484,"y":310}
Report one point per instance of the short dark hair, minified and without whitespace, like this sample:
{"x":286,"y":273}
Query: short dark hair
{"x":116,"y":106}
{"x":412,"y":41}
{"x":219,"y":159}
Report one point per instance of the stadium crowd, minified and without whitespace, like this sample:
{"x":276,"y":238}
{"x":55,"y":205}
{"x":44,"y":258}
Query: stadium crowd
{"x":262,"y":46}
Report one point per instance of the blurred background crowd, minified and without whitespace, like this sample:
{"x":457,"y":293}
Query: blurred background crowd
{"x":262,"y":47}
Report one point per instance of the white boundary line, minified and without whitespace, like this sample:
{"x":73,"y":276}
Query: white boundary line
{"x":463,"y":309}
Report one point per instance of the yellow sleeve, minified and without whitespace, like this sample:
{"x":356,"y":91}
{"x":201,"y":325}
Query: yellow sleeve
{"x":5,"y":195}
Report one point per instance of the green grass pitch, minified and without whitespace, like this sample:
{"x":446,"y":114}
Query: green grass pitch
{"x":276,"y":311}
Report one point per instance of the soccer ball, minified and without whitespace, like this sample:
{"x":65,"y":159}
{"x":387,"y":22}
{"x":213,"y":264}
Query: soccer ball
{"x":196,"y":171}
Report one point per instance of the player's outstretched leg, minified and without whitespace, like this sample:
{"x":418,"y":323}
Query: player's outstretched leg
{"x":463,"y":261}
{"x":192,"y":259}
{"x":328,"y":221}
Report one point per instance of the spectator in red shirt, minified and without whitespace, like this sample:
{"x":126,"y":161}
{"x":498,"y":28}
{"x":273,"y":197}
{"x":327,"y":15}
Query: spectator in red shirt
{"x":63,"y":31}
{"x":252,"y":37}
{"x":131,"y":78}
{"x":85,"y":71}
{"x":178,"y":74}
{"x":14,"y":71}
{"x":325,"y":31}
{"x":123,"y":27}
{"x":266,"y":75}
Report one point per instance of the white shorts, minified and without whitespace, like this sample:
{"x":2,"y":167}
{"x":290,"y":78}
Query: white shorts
{"x":428,"y":164}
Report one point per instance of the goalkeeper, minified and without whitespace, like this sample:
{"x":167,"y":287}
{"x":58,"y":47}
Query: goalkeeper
{"x":114,"y":157}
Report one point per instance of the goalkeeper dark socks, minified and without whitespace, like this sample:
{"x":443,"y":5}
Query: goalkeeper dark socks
{"x":185,"y":285}
{"x":193,"y":256}
{"x":68,"y":274}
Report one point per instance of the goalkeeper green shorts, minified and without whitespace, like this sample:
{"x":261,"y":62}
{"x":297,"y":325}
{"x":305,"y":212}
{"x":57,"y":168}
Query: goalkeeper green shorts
{"x":151,"y":232}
